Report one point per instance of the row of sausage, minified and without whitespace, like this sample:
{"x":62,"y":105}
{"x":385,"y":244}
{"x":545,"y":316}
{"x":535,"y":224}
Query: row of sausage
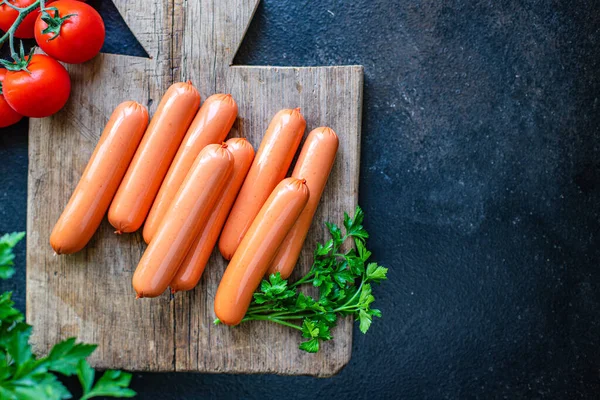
{"x":192,"y":189}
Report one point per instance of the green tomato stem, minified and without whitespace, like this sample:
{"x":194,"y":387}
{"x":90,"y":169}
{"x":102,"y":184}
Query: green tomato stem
{"x":10,"y":34}
{"x":13,"y":53}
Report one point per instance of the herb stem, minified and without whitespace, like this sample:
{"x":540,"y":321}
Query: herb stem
{"x":347,"y":304}
{"x":285,"y":315}
{"x":305,"y":278}
{"x":259,"y":309}
{"x":271,"y":319}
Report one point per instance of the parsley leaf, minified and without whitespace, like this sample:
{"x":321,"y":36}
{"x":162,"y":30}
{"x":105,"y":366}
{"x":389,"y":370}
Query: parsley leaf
{"x":310,"y":346}
{"x":324,"y":249}
{"x":376,"y":273}
{"x":65,"y":356}
{"x":309,"y":329}
{"x":315,"y":331}
{"x":336,"y":233}
{"x":47,"y":386}
{"x":8,"y":314}
{"x":344,"y":287}
{"x":7,"y":243}
{"x":272,"y":290}
{"x":85,"y":374}
{"x":365,"y":321}
{"x":366,"y":298}
{"x":16,"y":344}
{"x":111,"y":384}
{"x":355,"y":263}
{"x":363,"y":253}
{"x":354,"y":226}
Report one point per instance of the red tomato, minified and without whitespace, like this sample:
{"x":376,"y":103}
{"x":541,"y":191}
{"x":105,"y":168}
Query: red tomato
{"x":74,"y":39}
{"x":40,"y":92}
{"x":8,"y":15}
{"x":8,"y":116}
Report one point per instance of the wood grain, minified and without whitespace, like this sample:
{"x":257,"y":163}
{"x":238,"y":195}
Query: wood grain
{"x":89,"y":294}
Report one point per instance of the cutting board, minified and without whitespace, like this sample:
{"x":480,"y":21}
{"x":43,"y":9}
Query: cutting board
{"x":89,"y":294}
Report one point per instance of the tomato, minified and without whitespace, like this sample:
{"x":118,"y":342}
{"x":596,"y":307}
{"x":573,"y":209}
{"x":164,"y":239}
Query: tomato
{"x":8,"y":15}
{"x":8,"y":116}
{"x":40,"y":92}
{"x":76,"y":34}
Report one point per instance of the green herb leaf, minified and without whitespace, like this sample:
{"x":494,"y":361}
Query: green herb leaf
{"x":310,"y":346}
{"x":304,"y":302}
{"x":7,"y":243}
{"x":275,"y":289}
{"x":354,"y":226}
{"x":343,"y":277}
{"x":375,"y":313}
{"x":355,"y":263}
{"x":376,"y":273}
{"x":366,"y":298}
{"x":324,"y":333}
{"x":336,"y":233}
{"x":365,"y":321}
{"x":17,"y":344}
{"x":85,"y":374}
{"x":309,"y":329}
{"x":45,"y":386}
{"x":111,"y":384}
{"x":65,"y":356}
{"x":363,"y":253}
{"x":324,"y":249}
{"x":8,"y":314}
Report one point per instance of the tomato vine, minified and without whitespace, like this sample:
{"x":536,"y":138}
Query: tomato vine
{"x":23,"y":12}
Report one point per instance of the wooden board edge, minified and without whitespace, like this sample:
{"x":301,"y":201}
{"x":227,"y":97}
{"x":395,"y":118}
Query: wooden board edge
{"x":354,"y":69}
{"x":29,"y":228}
{"x":241,"y":40}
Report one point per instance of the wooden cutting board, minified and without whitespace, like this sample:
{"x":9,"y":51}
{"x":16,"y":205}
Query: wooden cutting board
{"x":89,"y":294}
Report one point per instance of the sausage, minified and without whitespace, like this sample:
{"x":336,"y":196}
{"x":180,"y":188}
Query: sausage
{"x":105,"y":170}
{"x":270,"y":166}
{"x":254,"y":255}
{"x":314,"y":164}
{"x":153,"y":158}
{"x":183,"y":221}
{"x":211,"y":125}
{"x":192,"y":267}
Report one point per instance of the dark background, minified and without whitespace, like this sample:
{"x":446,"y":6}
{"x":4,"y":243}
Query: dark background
{"x":480,"y":180}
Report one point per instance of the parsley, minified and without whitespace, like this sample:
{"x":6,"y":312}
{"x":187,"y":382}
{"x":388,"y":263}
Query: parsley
{"x":7,"y":242}
{"x":343,"y":279}
{"x":23,"y":375}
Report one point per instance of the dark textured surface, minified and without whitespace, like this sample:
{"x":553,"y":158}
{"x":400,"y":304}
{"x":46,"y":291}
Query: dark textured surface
{"x":481,"y":184}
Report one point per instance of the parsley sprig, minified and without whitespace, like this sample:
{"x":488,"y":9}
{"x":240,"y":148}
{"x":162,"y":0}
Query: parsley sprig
{"x":343,"y":279}
{"x":23,"y":375}
{"x":7,"y":243}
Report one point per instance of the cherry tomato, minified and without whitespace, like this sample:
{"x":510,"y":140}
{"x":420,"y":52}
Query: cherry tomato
{"x":40,"y":92}
{"x":75,"y":35}
{"x":8,"y":116}
{"x":8,"y":15}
